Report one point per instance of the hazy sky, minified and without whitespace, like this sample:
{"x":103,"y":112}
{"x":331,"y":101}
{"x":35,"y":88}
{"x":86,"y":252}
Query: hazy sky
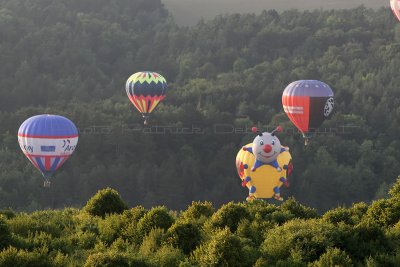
{"x":188,"y":12}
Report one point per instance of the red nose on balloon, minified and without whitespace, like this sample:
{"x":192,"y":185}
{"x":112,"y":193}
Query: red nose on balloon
{"x":267,"y":148}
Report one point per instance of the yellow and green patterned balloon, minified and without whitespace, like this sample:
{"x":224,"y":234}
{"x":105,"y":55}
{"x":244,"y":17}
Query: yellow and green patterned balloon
{"x":146,"y":90}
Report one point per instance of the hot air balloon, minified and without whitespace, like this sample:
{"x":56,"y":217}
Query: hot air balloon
{"x":307,"y":103}
{"x":264,"y":166}
{"x":47,"y":141}
{"x":395,"y":5}
{"x":146,"y":90}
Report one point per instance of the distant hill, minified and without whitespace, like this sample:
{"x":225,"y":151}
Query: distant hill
{"x":188,"y":12}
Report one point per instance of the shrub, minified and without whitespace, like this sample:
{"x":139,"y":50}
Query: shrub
{"x":365,"y":239}
{"x":49,"y":221}
{"x":185,"y":236}
{"x":350,"y":216}
{"x":229,"y":215}
{"x":157,"y":217}
{"x":186,"y":263}
{"x":113,"y":259}
{"x":130,"y":219}
{"x":261,"y":262}
{"x":21,"y":258}
{"x":339,"y":215}
{"x":122,"y":245}
{"x":167,"y":256}
{"x":261,"y":210}
{"x":384,"y":212}
{"x":133,"y":214}
{"x":333,"y":257}
{"x":293,"y":261}
{"x":84,"y":240}
{"x":40,"y":239}
{"x":383,"y":259}
{"x":87,"y":223}
{"x":105,"y":201}
{"x":110,"y":228}
{"x":254,"y":230}
{"x":5,"y":234}
{"x":197,"y":212}
{"x":298,"y":210}
{"x":308,"y":238}
{"x":8,"y":213}
{"x":281,"y":216}
{"x":224,"y":249}
{"x":394,"y":192}
{"x":152,"y":242}
{"x":359,"y":210}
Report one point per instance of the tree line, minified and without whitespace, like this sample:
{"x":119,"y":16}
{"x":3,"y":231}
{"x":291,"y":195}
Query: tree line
{"x":73,"y":58}
{"x":106,"y":232}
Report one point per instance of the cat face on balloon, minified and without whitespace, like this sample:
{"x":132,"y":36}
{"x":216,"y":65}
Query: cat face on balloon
{"x":266,"y":146}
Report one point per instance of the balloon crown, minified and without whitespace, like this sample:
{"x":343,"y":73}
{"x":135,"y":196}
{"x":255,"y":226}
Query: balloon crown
{"x":276,"y":130}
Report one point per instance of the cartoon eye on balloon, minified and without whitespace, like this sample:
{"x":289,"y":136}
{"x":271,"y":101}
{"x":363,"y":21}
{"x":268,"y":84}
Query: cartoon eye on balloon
{"x":308,"y":103}
{"x":47,"y":141}
{"x":146,"y":90}
{"x":395,"y":5}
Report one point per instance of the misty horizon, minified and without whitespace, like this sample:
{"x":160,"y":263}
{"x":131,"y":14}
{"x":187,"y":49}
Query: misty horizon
{"x":189,"y":12}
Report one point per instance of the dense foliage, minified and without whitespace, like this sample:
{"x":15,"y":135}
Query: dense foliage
{"x":237,"y":234}
{"x":225,"y":75}
{"x":106,"y":201}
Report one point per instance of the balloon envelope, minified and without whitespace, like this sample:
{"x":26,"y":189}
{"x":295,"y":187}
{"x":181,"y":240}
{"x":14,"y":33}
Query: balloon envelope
{"x":395,"y":5}
{"x":307,"y":103}
{"x":146,"y":90}
{"x":47,"y":141}
{"x":266,"y":178}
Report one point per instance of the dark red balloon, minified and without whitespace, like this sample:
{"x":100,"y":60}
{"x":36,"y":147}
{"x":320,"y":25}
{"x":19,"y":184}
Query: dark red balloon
{"x":307,"y":103}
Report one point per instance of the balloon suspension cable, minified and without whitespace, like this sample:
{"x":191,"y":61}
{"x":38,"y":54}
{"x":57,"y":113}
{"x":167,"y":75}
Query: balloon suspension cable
{"x":46,"y":183}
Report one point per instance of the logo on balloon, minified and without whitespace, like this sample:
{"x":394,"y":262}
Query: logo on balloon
{"x":67,"y":147}
{"x":27,"y":148}
{"x":47,"y":148}
{"x":330,"y":103}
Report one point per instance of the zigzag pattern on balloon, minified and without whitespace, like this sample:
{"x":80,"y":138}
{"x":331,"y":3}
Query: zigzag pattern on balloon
{"x":147,"y":76}
{"x":146,"y":104}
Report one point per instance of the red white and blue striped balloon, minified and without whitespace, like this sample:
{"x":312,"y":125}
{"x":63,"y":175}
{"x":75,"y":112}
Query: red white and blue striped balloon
{"x":47,"y":141}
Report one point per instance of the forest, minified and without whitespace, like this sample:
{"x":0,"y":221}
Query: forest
{"x":168,"y":194}
{"x":106,"y":232}
{"x":225,"y":75}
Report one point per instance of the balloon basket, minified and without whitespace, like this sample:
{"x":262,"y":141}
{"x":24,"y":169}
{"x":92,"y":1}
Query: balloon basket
{"x":307,"y":138}
{"x":307,"y":141}
{"x":46,"y":184}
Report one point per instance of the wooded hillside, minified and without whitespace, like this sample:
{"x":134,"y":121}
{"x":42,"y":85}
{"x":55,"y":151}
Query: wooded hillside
{"x":73,"y":58}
